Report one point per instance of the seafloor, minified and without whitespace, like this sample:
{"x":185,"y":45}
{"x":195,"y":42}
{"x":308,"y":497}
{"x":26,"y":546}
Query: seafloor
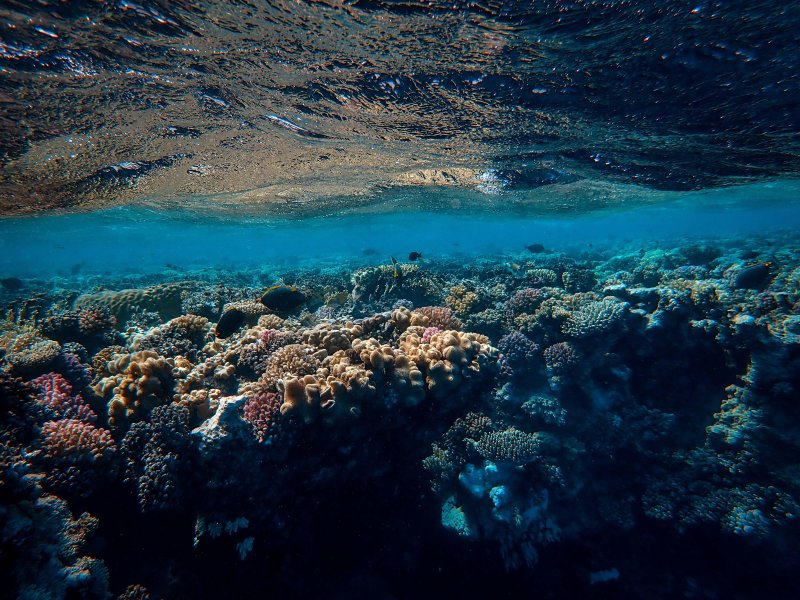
{"x":611,"y":422}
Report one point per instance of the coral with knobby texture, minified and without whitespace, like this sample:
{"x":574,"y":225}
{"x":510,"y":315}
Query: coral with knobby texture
{"x":523,"y":302}
{"x":542,"y":277}
{"x":294,"y":360}
{"x":561,"y":358}
{"x":441,"y":317}
{"x":261,"y":412}
{"x":429,"y":333}
{"x":164,"y":299}
{"x":518,"y":353}
{"x":28,"y":354}
{"x":461,"y":299}
{"x":73,"y":365}
{"x":136,"y":383}
{"x":48,"y":560}
{"x":157,"y":455}
{"x":578,"y":280}
{"x":332,"y":336}
{"x":76,"y":454}
{"x":594,"y":318}
{"x":185,"y":336}
{"x":91,"y":324}
{"x":55,"y":395}
{"x":450,"y":358}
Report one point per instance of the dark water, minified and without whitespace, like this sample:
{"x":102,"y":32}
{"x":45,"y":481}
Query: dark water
{"x":399,"y":299}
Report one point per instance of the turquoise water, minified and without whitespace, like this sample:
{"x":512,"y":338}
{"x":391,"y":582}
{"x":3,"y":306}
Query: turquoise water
{"x":131,"y":240}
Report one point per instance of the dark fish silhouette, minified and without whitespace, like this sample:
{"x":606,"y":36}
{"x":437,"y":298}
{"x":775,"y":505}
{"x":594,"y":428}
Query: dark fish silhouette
{"x":414,"y":256}
{"x":229,"y":323}
{"x":535,"y":248}
{"x":283,"y":298}
{"x":12,"y":284}
{"x":753,"y":277}
{"x":748,"y":254}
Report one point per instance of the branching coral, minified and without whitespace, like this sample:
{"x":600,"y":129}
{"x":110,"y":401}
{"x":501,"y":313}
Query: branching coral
{"x":158,"y":457}
{"x":54,"y":393}
{"x":76,"y":455}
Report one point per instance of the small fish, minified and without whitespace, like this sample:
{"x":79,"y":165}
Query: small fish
{"x":535,"y":248}
{"x":12,"y":284}
{"x":282,"y":298}
{"x":414,"y":256}
{"x":398,"y":274}
{"x":229,"y":323}
{"x":753,"y":277}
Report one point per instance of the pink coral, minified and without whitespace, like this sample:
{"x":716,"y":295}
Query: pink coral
{"x":54,"y":393}
{"x":73,"y":437}
{"x":441,"y":317}
{"x":261,"y":411}
{"x":429,"y":333}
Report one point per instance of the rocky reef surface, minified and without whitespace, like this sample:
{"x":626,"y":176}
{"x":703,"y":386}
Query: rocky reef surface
{"x":614,"y":422}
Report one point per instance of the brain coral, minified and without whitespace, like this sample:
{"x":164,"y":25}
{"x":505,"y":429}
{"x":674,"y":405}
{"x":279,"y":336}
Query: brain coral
{"x":136,"y":383}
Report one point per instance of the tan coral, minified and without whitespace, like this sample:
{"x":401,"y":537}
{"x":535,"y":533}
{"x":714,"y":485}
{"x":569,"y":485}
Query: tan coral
{"x":136,"y":383}
{"x":403,"y":318}
{"x":460,"y":299}
{"x":332,"y":336}
{"x":164,"y":299}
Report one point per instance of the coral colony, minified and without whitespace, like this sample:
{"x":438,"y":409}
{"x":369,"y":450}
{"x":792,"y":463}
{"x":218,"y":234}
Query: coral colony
{"x":542,"y":409}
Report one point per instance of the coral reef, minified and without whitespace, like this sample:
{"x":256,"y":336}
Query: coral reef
{"x":556,"y":403}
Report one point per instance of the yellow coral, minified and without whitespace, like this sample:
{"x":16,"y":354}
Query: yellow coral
{"x":460,"y":299}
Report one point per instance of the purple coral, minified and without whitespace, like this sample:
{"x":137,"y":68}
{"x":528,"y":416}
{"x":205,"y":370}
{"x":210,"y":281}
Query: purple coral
{"x":560,"y":358}
{"x":429,"y":333}
{"x":524,"y":301}
{"x":54,"y":394}
{"x":441,"y":317}
{"x":261,"y":411}
{"x":517,"y":353}
{"x":157,"y":455}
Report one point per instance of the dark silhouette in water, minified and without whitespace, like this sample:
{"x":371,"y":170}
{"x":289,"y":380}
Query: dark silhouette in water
{"x":754,"y":277}
{"x":12,"y":284}
{"x":535,"y":248}
{"x":283,"y":298}
{"x":414,"y":256}
{"x":230,"y":322}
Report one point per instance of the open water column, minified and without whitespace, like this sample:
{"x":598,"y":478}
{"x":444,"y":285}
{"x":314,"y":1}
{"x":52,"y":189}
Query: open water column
{"x":398,"y":299}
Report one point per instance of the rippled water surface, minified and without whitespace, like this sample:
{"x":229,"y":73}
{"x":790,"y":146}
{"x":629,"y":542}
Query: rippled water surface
{"x":324,"y":105}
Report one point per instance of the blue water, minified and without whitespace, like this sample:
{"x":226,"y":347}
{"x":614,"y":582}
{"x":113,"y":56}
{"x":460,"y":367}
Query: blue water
{"x":131,"y":240}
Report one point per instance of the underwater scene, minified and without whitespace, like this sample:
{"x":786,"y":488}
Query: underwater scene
{"x":393,"y":299}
